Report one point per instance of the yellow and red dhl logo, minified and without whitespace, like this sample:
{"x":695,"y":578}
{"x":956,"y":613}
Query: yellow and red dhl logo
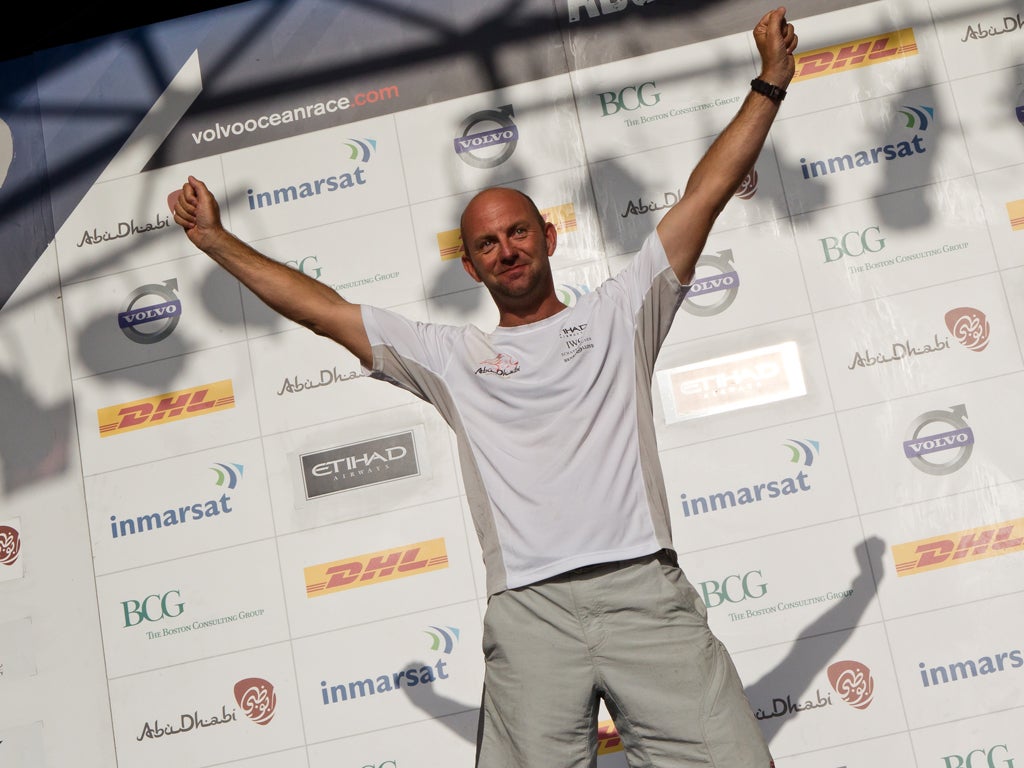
{"x":960,"y":547}
{"x":608,"y":739}
{"x":855,"y":54}
{"x":1016,"y":212}
{"x":562,"y":216}
{"x":170,"y":406}
{"x":375,"y":567}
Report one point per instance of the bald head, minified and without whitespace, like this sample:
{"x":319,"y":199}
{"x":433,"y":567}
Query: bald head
{"x":496,"y":196}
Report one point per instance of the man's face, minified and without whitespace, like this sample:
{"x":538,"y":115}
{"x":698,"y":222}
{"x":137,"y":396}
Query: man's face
{"x":507,"y":246}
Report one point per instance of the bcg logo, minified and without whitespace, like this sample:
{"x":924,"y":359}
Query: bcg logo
{"x":734,"y":588}
{"x":153,"y":608}
{"x":484,"y":131}
{"x":997,"y":756}
{"x":852,"y":244}
{"x":308,"y":265}
{"x":629,"y":99}
{"x":940,"y":452}
{"x":147,"y":321}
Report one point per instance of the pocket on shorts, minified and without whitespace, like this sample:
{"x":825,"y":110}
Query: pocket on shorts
{"x":689,"y":596}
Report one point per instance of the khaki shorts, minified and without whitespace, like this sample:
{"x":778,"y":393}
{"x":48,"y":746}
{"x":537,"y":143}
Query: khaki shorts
{"x":634,"y":633}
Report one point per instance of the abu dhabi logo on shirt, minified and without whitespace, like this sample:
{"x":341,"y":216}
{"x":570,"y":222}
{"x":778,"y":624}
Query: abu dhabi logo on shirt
{"x":501,"y":364}
{"x":488,"y":138}
{"x":151,"y":312}
{"x":714,"y":286}
{"x":939,"y":442}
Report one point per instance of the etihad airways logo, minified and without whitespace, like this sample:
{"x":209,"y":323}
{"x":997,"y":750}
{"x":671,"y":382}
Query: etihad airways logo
{"x":488,"y":139}
{"x":376,"y":567}
{"x":449,"y":243}
{"x":359,"y":150}
{"x":714,"y":286}
{"x":960,"y":547}
{"x":167,"y":407}
{"x":855,"y":54}
{"x":755,"y":377}
{"x":355,"y":465}
{"x":151,"y":312}
{"x":934,"y":448}
{"x":442,"y":640}
{"x":776,"y":487}
{"x":917,"y":118}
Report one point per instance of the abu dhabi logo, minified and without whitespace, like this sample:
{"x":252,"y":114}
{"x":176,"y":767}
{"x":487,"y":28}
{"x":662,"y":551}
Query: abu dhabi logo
{"x":918,"y":118}
{"x":257,"y":699}
{"x":980,"y":31}
{"x":853,"y":682}
{"x":489,"y":138}
{"x":715,"y":290}
{"x":969,"y":326}
{"x":748,"y":187}
{"x":10,"y":544}
{"x":151,"y":313}
{"x":499,"y":365}
{"x":940,"y":452}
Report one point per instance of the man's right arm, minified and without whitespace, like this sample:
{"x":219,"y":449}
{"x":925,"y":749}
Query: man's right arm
{"x":288,"y":291}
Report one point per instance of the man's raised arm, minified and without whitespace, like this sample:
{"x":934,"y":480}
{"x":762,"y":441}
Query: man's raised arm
{"x":685,"y":228}
{"x":293,"y":294}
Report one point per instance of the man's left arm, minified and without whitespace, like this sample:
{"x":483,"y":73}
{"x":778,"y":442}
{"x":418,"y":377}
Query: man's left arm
{"x":685,"y":228}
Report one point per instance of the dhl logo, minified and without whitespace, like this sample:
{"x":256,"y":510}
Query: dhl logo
{"x":1016,"y":212}
{"x":855,"y":54}
{"x":170,"y":406}
{"x":961,"y":547}
{"x":375,"y":567}
{"x":562,"y":216}
{"x":608,"y":739}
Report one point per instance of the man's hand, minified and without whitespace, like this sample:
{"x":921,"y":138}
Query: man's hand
{"x":196,"y":210}
{"x":776,"y":40}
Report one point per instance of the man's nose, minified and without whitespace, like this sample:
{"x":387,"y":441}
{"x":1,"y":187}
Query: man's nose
{"x":506,"y":250}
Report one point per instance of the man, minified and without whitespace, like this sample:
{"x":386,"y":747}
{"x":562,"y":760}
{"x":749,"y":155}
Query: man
{"x":552,"y":413}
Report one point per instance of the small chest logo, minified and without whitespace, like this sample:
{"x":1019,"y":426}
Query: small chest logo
{"x":499,"y":365}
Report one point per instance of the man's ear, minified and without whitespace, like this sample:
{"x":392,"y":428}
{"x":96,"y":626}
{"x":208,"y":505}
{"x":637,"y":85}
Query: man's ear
{"x":551,"y":237}
{"x":470,"y":269}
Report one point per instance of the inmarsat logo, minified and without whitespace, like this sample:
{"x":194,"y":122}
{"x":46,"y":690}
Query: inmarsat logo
{"x":443,"y":640}
{"x":151,"y":313}
{"x":918,"y":118}
{"x":360,"y":150}
{"x":569,"y":294}
{"x":713,"y":293}
{"x":257,"y":699}
{"x":803,"y":451}
{"x":488,"y":139}
{"x":969,"y":326}
{"x":950,"y":448}
{"x":853,"y":682}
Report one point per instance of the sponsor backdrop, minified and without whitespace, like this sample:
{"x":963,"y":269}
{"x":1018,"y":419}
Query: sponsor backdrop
{"x":222,"y":544}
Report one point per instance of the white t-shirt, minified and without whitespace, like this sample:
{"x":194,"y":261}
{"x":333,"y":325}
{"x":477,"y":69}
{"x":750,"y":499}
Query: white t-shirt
{"x":553,"y":421}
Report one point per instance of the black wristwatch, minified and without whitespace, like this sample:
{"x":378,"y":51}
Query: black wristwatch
{"x":773,"y":92}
